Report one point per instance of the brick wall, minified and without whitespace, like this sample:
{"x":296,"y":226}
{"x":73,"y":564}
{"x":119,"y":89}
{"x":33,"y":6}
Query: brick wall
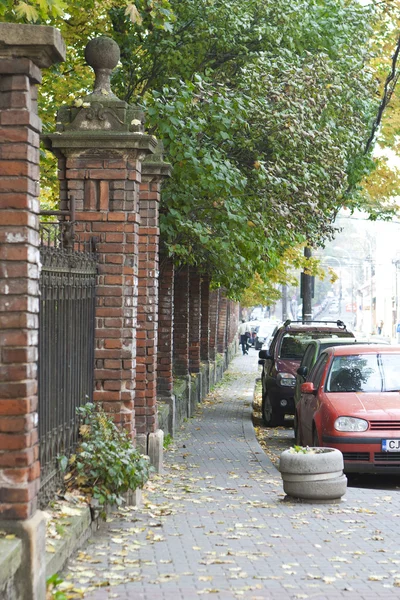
{"x":147,"y":322}
{"x":100,"y":165}
{"x":181,"y":321}
{"x":222,"y":323}
{"x":214,"y":305}
{"x":19,"y":268}
{"x":106,"y":193}
{"x":205,"y":319}
{"x":194,"y":319}
{"x":165,"y":380}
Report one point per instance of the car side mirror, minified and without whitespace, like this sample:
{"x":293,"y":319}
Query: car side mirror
{"x":261,"y":361}
{"x":308,"y":388}
{"x":302,"y":371}
{"x":263,"y":354}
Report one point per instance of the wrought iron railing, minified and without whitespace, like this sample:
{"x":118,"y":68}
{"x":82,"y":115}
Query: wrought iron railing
{"x":66,"y":344}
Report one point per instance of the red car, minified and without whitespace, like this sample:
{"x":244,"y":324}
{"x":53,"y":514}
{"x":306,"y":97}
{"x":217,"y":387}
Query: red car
{"x":351,"y":401}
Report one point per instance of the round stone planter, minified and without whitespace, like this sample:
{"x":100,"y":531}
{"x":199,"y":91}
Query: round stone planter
{"x":314,"y":477}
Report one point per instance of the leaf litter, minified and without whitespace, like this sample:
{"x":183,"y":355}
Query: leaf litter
{"x":180,"y":488}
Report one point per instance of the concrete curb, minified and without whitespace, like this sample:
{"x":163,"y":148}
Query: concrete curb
{"x":251,"y":440}
{"x":78,"y":530}
{"x":10,"y":560}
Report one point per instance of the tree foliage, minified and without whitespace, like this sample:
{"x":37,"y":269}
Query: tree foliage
{"x":264,"y":109}
{"x":381,"y":187}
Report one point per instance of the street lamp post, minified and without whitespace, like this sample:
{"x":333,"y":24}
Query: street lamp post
{"x":307,"y":289}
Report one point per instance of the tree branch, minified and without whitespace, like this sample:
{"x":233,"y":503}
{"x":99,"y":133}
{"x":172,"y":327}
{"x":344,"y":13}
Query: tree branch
{"x":387,"y":94}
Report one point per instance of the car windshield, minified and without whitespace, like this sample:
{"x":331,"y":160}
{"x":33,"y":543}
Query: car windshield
{"x":364,"y":373}
{"x":294,"y":343}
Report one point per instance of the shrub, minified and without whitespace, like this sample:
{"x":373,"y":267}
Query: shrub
{"x":106,"y":464}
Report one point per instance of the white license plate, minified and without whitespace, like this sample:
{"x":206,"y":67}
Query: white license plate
{"x":391,"y":445}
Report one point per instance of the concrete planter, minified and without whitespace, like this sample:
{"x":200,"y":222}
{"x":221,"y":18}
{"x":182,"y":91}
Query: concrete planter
{"x":316,"y":475}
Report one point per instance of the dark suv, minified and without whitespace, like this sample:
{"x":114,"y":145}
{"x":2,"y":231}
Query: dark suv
{"x":281,"y":361}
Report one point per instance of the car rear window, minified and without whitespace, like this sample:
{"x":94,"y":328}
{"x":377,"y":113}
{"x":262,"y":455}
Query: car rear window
{"x":364,"y":373}
{"x":294,"y":343}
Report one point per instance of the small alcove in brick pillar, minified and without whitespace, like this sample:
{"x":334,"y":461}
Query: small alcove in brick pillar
{"x":149,"y":436}
{"x":101,"y":144}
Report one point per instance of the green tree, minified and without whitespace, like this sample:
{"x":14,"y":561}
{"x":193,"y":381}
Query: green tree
{"x":264,"y":109}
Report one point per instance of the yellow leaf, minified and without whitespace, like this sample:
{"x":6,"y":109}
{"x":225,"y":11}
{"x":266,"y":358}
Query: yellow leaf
{"x":132,"y":12}
{"x":26,"y":11}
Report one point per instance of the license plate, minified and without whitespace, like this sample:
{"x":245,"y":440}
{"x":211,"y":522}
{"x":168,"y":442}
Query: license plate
{"x":391,"y":445}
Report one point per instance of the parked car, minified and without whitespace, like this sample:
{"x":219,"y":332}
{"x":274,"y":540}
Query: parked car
{"x":281,"y":361}
{"x":311,"y":353}
{"x":264,"y":332}
{"x":352,"y":402}
{"x":253,"y":325}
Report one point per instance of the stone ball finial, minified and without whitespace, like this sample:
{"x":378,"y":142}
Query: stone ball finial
{"x":102,"y":54}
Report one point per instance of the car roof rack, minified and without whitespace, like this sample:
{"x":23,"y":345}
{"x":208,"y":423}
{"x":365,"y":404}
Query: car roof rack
{"x":338,"y":322}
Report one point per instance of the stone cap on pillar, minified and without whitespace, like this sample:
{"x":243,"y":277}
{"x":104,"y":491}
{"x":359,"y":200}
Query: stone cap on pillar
{"x":154,"y":168}
{"x":42,"y":44}
{"x":100,"y":120}
{"x":101,"y":110}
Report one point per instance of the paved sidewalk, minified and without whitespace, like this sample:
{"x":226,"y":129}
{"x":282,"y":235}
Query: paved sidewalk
{"x":215,"y":524}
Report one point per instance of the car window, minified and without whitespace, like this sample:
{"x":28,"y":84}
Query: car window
{"x":272,"y":346}
{"x":294,"y":343}
{"x":308,"y":356}
{"x":292,"y":347}
{"x":364,"y":373}
{"x":316,"y":373}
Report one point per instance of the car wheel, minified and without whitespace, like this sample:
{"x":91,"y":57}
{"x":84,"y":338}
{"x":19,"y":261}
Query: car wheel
{"x":297,"y":434}
{"x":270,"y":419}
{"x":315,"y":440}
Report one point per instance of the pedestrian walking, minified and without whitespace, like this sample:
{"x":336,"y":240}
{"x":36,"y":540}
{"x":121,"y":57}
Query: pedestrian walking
{"x":244,"y":333}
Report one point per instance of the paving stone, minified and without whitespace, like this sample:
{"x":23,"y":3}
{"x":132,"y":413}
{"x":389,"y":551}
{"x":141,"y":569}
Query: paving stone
{"x":230,"y":535}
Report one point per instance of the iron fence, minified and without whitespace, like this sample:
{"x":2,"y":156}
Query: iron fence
{"x":66,"y":345}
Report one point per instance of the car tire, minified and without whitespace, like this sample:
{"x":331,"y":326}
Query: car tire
{"x":270,"y":419}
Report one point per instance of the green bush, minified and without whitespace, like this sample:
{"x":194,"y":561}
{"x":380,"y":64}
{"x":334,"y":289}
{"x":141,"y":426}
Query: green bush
{"x":106,"y":464}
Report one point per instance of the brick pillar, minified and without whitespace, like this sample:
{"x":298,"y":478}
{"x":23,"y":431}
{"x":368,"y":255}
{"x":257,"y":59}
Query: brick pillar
{"x":194,"y":320}
{"x":24,"y":50}
{"x":205,"y":319}
{"x":102,"y":144}
{"x":222,"y":322}
{"x":154,"y":170}
{"x":234,"y":320}
{"x":19,"y":271}
{"x":214,"y":304}
{"x":181,"y":322}
{"x":165,"y":346}
{"x":228,"y":323}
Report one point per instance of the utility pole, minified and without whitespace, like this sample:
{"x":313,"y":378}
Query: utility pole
{"x":307,"y":290}
{"x":284,"y":302}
